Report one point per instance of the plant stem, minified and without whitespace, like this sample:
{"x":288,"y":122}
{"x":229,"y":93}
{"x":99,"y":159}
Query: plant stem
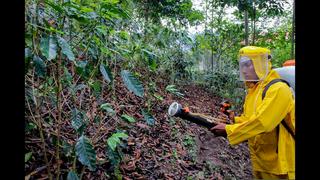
{"x":39,"y":124}
{"x":114,"y":73}
{"x":82,"y":171}
{"x":59,"y":108}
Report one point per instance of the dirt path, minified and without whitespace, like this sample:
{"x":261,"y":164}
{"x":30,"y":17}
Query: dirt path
{"x":233,"y":161}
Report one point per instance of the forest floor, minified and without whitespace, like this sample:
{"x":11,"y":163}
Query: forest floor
{"x":170,"y":149}
{"x":184,"y":150}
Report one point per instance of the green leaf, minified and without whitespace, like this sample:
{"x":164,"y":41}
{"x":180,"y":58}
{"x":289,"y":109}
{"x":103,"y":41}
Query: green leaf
{"x":117,"y":173}
{"x":151,"y":59}
{"x":56,"y":7}
{"x":81,"y":64}
{"x":173,"y":90}
{"x":113,"y":156}
{"x":158,"y":96}
{"x":132,"y":83}
{"x":85,"y":152}
{"x":72,"y":176}
{"x":128,"y":118}
{"x":67,"y":149}
{"x":106,"y":72}
{"x":107,"y":107}
{"x":152,"y":63}
{"x":27,"y":53}
{"x":96,"y":85}
{"x":86,"y":9}
{"x":48,"y":47}
{"x":114,"y":140}
{"x":148,"y":117}
{"x":27,"y":58}
{"x":27,"y":156}
{"x":77,"y":122}
{"x":66,"y":49}
{"x":124,"y":35}
{"x":111,"y":1}
{"x":30,"y":126}
{"x":40,"y":66}
{"x":102,"y":29}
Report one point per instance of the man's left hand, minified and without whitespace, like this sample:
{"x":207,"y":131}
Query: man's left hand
{"x":219,"y":130}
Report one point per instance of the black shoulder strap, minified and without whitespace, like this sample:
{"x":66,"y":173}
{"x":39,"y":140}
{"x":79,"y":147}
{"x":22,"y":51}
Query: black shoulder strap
{"x":270,"y":83}
{"x":283,"y":122}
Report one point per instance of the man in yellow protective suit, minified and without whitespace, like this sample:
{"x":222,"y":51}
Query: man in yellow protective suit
{"x":262,"y":123}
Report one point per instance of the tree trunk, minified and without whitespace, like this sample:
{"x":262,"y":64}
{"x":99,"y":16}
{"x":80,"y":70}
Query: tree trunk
{"x":212,"y":41}
{"x":293,"y":31}
{"x":254,"y":25}
{"x":205,"y":22}
{"x":246,"y":27}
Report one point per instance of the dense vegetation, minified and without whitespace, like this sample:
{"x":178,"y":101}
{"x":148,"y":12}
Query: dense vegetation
{"x":96,"y":69}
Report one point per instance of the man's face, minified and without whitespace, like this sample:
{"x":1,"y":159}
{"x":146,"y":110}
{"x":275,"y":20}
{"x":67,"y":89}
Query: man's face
{"x":247,"y":69}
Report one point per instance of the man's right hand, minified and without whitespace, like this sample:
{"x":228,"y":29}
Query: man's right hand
{"x":219,"y":130}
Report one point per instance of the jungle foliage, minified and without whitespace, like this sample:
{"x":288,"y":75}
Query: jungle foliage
{"x":79,"y":52}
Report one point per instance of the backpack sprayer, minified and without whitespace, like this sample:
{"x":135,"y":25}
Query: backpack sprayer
{"x":175,"y":109}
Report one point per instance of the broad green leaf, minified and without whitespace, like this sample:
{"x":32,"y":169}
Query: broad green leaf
{"x":48,"y":47}
{"x":148,"y":117}
{"x":128,"y":118}
{"x":40,"y":66}
{"x":114,"y":140}
{"x":96,"y":85}
{"x":113,"y":156}
{"x":77,"y":122}
{"x":106,"y":72}
{"x":107,"y":107}
{"x":85,"y":152}
{"x":120,"y":135}
{"x":72,"y":176}
{"x":27,"y":156}
{"x":132,"y":83}
{"x":66,"y":49}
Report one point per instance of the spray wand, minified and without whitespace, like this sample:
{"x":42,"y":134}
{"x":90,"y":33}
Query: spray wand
{"x":175,"y":109}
